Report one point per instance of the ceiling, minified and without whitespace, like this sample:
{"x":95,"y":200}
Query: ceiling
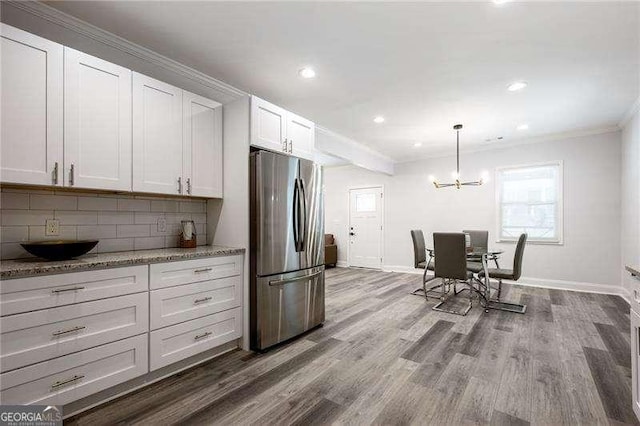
{"x":423,"y":66}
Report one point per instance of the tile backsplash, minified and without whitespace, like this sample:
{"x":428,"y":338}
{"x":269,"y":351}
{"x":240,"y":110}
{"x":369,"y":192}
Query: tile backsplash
{"x":121,"y":221}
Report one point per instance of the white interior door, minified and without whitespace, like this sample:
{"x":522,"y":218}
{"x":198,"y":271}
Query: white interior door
{"x":365,"y":227}
{"x":31,"y":108}
{"x":97,"y":123}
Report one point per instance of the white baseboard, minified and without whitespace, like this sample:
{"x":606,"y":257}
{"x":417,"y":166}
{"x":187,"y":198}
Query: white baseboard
{"x":538,"y":282}
{"x":342,"y":264}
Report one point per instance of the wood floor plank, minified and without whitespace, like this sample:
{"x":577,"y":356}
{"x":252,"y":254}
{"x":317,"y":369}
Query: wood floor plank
{"x":498,"y":418}
{"x":385,"y":357}
{"x":612,"y":387}
{"x":617,"y":345}
{"x":419,"y":350}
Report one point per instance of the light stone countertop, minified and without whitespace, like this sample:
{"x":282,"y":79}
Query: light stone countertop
{"x":29,"y":267}
{"x":634,"y":270}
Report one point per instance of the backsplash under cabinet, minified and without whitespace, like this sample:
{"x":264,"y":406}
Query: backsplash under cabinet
{"x":121,"y":222}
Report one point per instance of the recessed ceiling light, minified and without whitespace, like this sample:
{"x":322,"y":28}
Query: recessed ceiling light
{"x":523,"y":127}
{"x":307,"y":72}
{"x":379,"y":119}
{"x":500,"y":2}
{"x":517,"y":85}
{"x":417,"y":144}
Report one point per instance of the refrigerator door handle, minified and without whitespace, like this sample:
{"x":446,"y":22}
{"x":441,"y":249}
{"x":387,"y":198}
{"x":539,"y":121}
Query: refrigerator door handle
{"x":303,"y":234}
{"x":293,"y":280}
{"x":296,"y":213}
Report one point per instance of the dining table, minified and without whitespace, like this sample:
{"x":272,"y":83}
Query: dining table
{"x":486,"y":255}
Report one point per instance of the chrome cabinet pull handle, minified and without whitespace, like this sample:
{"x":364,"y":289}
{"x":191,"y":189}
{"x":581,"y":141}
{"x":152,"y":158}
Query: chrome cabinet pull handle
{"x":62,"y":290}
{"x":189,"y":186}
{"x":179,"y":185}
{"x":284,"y":145}
{"x":203,"y":335}
{"x":71,"y":173}
{"x":71,"y":330}
{"x":55,"y":173}
{"x":290,"y":146}
{"x":204,"y":299}
{"x":198,"y":271}
{"x":66,"y":382}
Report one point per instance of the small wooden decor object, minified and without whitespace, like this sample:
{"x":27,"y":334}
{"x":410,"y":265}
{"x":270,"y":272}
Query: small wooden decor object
{"x":182,"y":243}
{"x":188,"y":228}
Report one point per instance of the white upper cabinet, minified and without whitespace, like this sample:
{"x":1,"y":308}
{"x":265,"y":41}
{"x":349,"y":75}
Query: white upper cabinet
{"x":268,"y":125}
{"x":301,"y":135}
{"x":97,"y":123}
{"x":31,"y":133}
{"x":157,"y":136}
{"x":202,"y":146}
{"x":74,"y":120}
{"x":279,"y":130}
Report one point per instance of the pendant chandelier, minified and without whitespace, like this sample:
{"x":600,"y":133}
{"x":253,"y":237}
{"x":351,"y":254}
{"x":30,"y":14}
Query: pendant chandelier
{"x":457,"y":183}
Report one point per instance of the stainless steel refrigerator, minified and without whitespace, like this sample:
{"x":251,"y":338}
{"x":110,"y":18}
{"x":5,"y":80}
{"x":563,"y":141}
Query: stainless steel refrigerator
{"x":286,"y":249}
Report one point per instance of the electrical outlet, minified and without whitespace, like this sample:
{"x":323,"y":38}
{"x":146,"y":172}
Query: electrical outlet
{"x":162,"y":224}
{"x":52,"y":227}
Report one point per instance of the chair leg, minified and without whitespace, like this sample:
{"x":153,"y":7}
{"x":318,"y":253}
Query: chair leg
{"x":499,"y":287}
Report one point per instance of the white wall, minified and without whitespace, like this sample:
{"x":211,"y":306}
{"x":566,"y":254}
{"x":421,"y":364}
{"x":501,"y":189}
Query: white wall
{"x":228,"y":219}
{"x":590,"y":255}
{"x":630,"y":195}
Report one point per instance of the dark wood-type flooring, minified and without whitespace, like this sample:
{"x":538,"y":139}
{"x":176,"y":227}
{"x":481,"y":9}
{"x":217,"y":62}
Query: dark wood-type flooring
{"x":384,"y":357}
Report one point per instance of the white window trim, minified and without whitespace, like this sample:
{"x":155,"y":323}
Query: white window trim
{"x":559,"y":205}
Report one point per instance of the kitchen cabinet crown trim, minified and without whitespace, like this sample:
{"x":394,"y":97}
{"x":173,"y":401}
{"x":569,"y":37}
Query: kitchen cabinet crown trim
{"x":76,"y":25}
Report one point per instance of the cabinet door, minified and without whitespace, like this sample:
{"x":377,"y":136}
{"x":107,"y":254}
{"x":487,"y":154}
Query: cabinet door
{"x":301,"y":135}
{"x":157,"y":136}
{"x":31,"y":102}
{"x":202,"y":146}
{"x":97,"y":123}
{"x":268,"y":126}
{"x":635,"y":361}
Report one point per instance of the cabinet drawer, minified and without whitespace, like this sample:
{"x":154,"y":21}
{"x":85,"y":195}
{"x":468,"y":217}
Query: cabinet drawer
{"x":177,"y":342}
{"x":178,"y":304}
{"x":191,"y":271}
{"x":68,"y":378}
{"x":29,"y":294}
{"x":36,"y":336}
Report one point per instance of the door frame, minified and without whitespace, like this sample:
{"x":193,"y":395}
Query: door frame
{"x":351,"y":188}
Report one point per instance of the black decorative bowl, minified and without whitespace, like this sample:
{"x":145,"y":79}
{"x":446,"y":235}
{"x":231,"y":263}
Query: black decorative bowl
{"x":59,"y":249}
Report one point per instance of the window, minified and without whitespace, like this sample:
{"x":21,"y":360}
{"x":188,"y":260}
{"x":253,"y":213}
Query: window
{"x":530,"y":201}
{"x":365,"y":203}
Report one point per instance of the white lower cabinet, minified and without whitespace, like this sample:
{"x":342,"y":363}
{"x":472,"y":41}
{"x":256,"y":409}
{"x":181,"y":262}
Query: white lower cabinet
{"x":635,"y":360}
{"x":178,"y":304}
{"x":177,"y":342}
{"x":36,"y":336}
{"x":71,"y":377}
{"x":191,"y":271}
{"x":67,"y":336}
{"x":33,"y":293}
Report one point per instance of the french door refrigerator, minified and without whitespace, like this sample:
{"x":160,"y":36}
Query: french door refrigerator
{"x":286,"y":248}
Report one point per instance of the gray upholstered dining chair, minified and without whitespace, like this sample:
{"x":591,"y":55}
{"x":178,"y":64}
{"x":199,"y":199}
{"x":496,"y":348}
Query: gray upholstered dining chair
{"x":451,"y":266}
{"x":509,"y":274}
{"x":420,"y":259}
{"x":479,"y":239}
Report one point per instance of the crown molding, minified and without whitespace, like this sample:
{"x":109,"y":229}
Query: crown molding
{"x":79,"y":26}
{"x":635,"y":107}
{"x":517,"y":142}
